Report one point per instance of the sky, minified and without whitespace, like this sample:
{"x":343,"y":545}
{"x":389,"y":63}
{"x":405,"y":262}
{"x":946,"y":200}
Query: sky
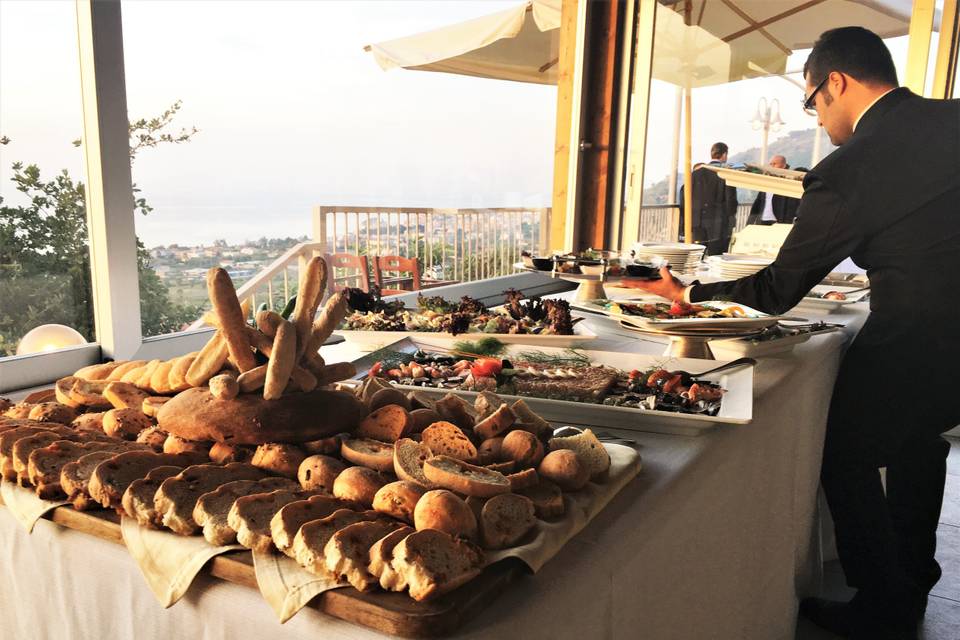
{"x":293,"y":113}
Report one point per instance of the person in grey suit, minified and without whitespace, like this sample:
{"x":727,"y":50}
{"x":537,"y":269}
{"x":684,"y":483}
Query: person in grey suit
{"x":889,"y":198}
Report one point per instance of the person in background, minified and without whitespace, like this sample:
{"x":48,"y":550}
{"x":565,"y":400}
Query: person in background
{"x":889,"y":197}
{"x":771,"y":208}
{"x":714,"y":204}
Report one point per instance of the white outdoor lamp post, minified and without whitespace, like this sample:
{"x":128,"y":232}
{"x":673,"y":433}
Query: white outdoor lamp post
{"x":766,"y":118}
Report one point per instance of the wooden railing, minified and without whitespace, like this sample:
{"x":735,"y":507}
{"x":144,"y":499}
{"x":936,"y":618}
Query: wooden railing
{"x":451,"y":244}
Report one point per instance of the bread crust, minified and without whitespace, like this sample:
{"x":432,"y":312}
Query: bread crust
{"x":358,"y":484}
{"x":367,"y":452}
{"x":523,"y":448}
{"x":249,"y":419}
{"x":398,"y":499}
{"x":442,"y":510}
{"x":286,"y":522}
{"x":465,"y":478}
{"x":448,"y":439}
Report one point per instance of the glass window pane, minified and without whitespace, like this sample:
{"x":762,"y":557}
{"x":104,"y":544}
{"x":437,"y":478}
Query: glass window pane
{"x":44,"y":259}
{"x":292,"y":114}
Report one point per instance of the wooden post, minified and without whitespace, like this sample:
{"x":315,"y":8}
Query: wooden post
{"x":918,"y":46}
{"x":687,"y":151}
{"x":565,"y":109}
{"x":948,"y":52}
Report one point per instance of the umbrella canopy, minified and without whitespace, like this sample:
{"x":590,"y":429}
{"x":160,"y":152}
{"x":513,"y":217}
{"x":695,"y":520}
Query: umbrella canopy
{"x":518,"y":44}
{"x":727,"y":40}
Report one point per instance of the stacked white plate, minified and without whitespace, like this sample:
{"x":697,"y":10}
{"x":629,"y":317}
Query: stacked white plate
{"x":683,"y":258}
{"x":732,"y":267}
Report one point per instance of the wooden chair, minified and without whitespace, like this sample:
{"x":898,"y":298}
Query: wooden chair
{"x":400,"y":265}
{"x":360,"y":265}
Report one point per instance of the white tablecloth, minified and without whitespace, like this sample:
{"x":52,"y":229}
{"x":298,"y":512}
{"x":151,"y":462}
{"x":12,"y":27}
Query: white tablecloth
{"x":717,"y":538}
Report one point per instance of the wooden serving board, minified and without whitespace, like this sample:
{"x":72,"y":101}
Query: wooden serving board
{"x":391,"y":613}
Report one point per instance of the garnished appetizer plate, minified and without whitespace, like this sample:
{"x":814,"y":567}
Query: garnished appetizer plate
{"x":677,"y":315}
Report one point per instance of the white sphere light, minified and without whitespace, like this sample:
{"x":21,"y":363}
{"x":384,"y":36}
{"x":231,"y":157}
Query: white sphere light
{"x":48,"y":337}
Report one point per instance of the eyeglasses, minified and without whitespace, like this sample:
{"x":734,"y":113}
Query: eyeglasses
{"x":808,"y":103}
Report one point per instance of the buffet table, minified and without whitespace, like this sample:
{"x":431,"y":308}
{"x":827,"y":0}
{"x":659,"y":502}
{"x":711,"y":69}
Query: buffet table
{"x":718,"y":537}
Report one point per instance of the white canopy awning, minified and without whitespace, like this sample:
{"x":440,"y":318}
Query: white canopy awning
{"x":516,"y":44}
{"x":726,"y":41}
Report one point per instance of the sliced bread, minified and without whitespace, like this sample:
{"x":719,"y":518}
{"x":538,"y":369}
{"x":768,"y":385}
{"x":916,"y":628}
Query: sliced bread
{"x":446,"y":438}
{"x":381,"y":554}
{"x":547,"y":499}
{"x":286,"y":522}
{"x":453,"y":408}
{"x":45,"y":465}
{"x":495,"y":424}
{"x":250,"y":516}
{"x":111,"y":478}
{"x":389,"y":423}
{"x":212,"y":508}
{"x":589,"y":449}
{"x":137,"y":500}
{"x":465,"y":478}
{"x":433,"y":563}
{"x":9,"y":437}
{"x":312,"y":537}
{"x":408,"y":459}
{"x":368,"y":453}
{"x":347,"y":553}
{"x":505,"y":520}
{"x":486,"y":403}
{"x":177,"y":496}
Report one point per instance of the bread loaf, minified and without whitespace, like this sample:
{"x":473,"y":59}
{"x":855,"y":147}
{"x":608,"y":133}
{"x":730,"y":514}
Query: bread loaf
{"x":110,"y":478}
{"x":589,"y":449}
{"x":347,"y":553}
{"x":45,"y":465}
{"x":213,"y":508}
{"x":443,"y":510}
{"x":433,"y":563}
{"x":287,"y":521}
{"x":280,"y":459}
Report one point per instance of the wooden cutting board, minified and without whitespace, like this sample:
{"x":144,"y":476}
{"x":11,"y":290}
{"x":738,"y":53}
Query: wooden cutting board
{"x":391,"y":613}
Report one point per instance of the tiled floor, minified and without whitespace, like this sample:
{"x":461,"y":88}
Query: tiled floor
{"x":943,"y":609}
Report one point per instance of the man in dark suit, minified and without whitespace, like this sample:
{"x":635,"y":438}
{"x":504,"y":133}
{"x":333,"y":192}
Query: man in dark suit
{"x":889,"y":197}
{"x":714,"y":204}
{"x":773,"y":208}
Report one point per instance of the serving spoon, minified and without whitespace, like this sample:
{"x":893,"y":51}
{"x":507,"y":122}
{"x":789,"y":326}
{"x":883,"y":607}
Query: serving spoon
{"x":687,"y":377}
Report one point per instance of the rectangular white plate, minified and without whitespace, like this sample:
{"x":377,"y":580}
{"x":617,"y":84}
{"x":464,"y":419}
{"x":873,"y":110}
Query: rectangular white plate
{"x":581,"y":337}
{"x":735,"y":408}
{"x":759,"y":320}
{"x":831,"y":305}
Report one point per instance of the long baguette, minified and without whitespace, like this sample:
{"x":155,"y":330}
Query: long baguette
{"x":208,"y":362}
{"x":312,"y":283}
{"x":336,"y":372}
{"x":313,"y":362}
{"x":281,"y":361}
{"x":232,"y":324}
{"x":252,"y":380}
{"x":334,"y":311}
{"x":268,"y":321}
{"x":303,"y":379}
{"x":260,"y":341}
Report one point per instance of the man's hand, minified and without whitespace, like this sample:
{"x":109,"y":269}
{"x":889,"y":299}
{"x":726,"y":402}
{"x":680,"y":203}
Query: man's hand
{"x":667,"y":287}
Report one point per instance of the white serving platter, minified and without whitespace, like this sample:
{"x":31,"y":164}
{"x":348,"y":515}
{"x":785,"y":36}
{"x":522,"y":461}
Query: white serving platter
{"x":748,"y":347}
{"x":755,"y":320}
{"x":581,"y":337}
{"x":832,"y":305}
{"x":735,"y":408}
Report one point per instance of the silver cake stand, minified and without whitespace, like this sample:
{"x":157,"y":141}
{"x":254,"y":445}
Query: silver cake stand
{"x":692,"y":343}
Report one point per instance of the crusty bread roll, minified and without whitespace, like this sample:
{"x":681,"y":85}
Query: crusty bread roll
{"x":388,"y":423}
{"x":523,"y":479}
{"x":547,"y":499}
{"x":325,"y":446}
{"x":444,"y":511}
{"x":422,"y":418}
{"x":318,"y":473}
{"x":565,"y":468}
{"x":505,"y":520}
{"x":281,"y":459}
{"x":590,"y":450}
{"x":125,"y":423}
{"x":495,"y":424}
{"x":53,"y":412}
{"x":383,"y":397}
{"x":175,"y":444}
{"x":408,"y":459}
{"x":398,"y":499}
{"x":222,"y":453}
{"x":249,"y":419}
{"x":358,"y":484}
{"x":523,"y":448}
{"x":490,"y":451}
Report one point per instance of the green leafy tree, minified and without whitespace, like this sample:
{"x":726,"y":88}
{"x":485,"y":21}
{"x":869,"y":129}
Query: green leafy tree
{"x":44,"y":250}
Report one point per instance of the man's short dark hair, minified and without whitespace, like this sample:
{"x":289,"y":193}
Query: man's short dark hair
{"x":855,"y":51}
{"x":717,"y":150}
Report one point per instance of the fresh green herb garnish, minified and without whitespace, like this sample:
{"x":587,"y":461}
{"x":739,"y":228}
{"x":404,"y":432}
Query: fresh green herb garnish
{"x":569,"y":358}
{"x":481,"y":347}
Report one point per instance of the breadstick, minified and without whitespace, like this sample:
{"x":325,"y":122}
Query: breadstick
{"x":253,"y":379}
{"x":268,"y":321}
{"x":208,"y":362}
{"x":211,"y":320}
{"x":281,"y":361}
{"x":178,"y":372}
{"x":303,"y":380}
{"x":224,"y":387}
{"x":262,"y":343}
{"x":313,"y":362}
{"x":337,"y":372}
{"x":312,"y":283}
{"x":232,"y":325}
{"x":334,"y":311}
{"x":125,"y":368}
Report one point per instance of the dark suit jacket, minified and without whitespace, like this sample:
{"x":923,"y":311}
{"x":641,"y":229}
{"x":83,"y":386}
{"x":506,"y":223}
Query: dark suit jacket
{"x":784,"y":208}
{"x":714,"y":206}
{"x":890,"y":199}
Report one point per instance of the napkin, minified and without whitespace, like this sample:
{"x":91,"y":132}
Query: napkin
{"x":286,"y":586}
{"x":581,"y":507}
{"x":24,"y":504}
{"x":168,"y":561}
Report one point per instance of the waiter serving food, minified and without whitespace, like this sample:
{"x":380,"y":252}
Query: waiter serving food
{"x":889,"y":198}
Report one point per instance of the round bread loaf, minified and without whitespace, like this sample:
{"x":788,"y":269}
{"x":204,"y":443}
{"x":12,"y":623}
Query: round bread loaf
{"x":319,"y":472}
{"x":566,"y":469}
{"x":490,"y":450}
{"x":523,"y":448}
{"x":398,"y":499}
{"x":196,"y":414}
{"x":444,"y":511}
{"x":358,"y":484}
